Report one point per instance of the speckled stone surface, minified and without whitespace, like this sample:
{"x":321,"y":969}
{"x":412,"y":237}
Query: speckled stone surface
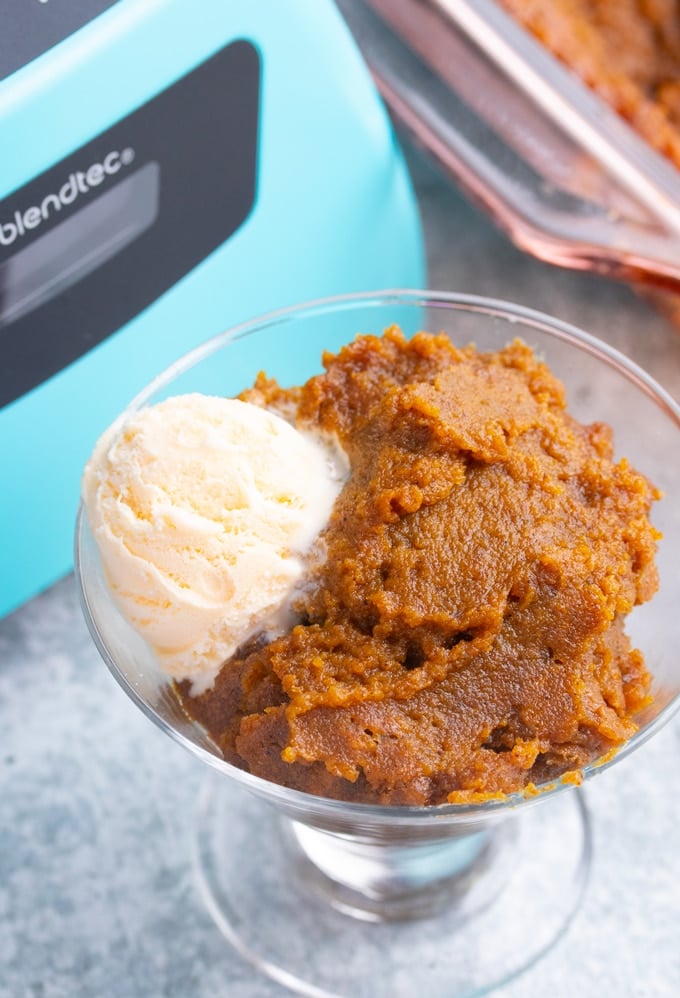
{"x":97,"y":897}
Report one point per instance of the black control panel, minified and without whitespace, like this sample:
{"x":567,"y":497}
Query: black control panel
{"x":30,"y":27}
{"x":98,"y":237}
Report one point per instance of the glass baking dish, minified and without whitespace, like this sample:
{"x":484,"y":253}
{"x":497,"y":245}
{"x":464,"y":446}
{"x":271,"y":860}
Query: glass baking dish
{"x":556,"y":168}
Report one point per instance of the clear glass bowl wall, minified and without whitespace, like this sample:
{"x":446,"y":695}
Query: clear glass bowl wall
{"x":601,"y":385}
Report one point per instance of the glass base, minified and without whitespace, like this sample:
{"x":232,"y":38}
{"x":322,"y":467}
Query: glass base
{"x":491,"y":921}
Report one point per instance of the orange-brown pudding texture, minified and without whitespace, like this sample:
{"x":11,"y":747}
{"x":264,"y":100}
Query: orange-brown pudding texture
{"x":627,"y":51}
{"x":462,"y":628}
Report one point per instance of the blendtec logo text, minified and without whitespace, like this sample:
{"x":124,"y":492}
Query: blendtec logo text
{"x":77,"y":184}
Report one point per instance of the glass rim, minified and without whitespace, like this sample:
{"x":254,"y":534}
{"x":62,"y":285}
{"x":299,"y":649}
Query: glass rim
{"x":476,"y":304}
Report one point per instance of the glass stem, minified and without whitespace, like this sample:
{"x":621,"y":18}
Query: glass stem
{"x":379,"y":881}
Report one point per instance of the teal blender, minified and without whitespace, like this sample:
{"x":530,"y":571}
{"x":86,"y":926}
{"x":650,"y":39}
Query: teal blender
{"x":168,"y":170}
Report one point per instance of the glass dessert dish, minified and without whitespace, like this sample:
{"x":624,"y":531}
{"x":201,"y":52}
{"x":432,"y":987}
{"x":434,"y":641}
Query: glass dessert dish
{"x":334,"y":898}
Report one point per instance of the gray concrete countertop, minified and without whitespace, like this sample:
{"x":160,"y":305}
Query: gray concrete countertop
{"x":96,"y":805}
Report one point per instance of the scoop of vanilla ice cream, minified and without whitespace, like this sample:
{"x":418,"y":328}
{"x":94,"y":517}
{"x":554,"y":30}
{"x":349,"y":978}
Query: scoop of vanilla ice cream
{"x":203,"y":509}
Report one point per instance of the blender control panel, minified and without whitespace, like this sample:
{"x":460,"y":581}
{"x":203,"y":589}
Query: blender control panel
{"x":90,"y":243}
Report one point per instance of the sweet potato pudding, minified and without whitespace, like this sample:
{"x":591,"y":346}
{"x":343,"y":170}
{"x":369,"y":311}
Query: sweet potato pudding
{"x":626,"y":50}
{"x":461,"y":624}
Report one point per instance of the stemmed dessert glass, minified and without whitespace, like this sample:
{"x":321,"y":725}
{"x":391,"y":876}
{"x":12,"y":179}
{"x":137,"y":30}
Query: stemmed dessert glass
{"x":336,"y":899}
